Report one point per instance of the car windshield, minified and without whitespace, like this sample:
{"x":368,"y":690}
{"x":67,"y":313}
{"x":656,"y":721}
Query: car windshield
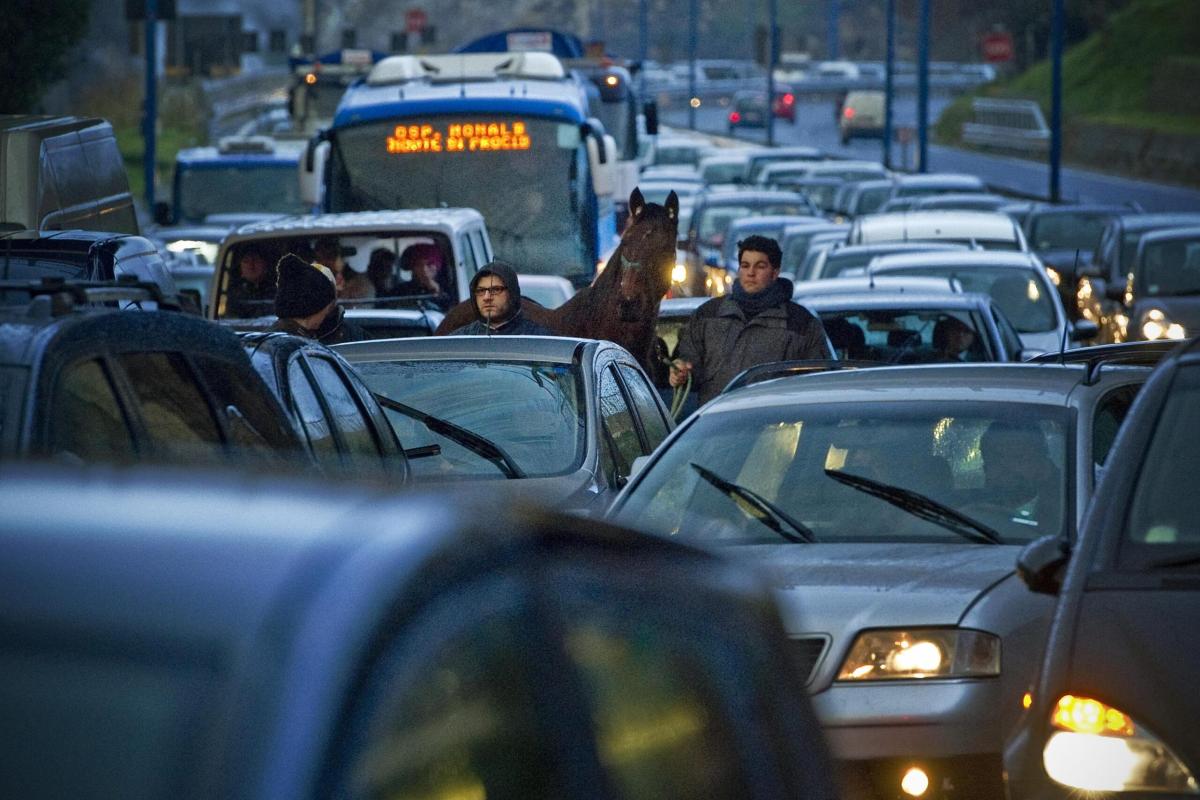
{"x":1067,"y":231}
{"x":686,"y":155}
{"x":270,"y":189}
{"x":1021,"y":294}
{"x":821,"y":195}
{"x":1002,"y":464}
{"x":714,"y":220}
{"x":723,"y":173}
{"x":532,"y":411}
{"x":795,"y":247}
{"x":870,"y":200}
{"x":658,"y":193}
{"x":907,"y":336}
{"x":1170,"y":268}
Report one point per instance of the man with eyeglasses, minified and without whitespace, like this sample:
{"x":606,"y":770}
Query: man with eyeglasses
{"x":498,"y":305}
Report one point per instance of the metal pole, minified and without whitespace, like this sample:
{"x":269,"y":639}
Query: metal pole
{"x":150,"y":106}
{"x":693,"y":35}
{"x":772,"y":62}
{"x":834,"y":32}
{"x":309,"y":26}
{"x":923,"y":90}
{"x":889,"y":83}
{"x":1056,"y":53}
{"x":643,"y":43}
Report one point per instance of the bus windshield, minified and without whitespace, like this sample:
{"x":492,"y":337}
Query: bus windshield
{"x":527,"y":176}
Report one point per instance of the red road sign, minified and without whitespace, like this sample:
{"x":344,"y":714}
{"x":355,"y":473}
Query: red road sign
{"x":415,"y":20}
{"x":997,"y":47}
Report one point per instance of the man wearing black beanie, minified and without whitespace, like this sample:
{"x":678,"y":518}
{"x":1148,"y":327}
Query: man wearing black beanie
{"x":306,"y":303}
{"x":755,"y":324}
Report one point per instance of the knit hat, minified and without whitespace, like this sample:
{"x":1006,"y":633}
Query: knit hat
{"x":304,"y":288}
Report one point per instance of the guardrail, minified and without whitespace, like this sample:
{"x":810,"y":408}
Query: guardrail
{"x":1007,"y":125}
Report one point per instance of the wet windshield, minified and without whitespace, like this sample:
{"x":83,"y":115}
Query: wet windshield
{"x":1067,"y":231}
{"x":241,"y":189}
{"x":1020,"y":293}
{"x":1003,"y":465}
{"x":539,"y":227}
{"x":1170,"y":268}
{"x":532,"y":411}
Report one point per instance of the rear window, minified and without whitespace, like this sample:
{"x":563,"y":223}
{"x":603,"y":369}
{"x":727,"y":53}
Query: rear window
{"x":908,"y":336}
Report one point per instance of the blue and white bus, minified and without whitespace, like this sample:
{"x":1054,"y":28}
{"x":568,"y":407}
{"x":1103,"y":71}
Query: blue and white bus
{"x":508,"y":134}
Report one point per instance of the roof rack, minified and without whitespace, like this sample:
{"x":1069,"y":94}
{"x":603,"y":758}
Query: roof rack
{"x":1129,"y":354}
{"x":62,"y":295}
{"x":783,"y":369}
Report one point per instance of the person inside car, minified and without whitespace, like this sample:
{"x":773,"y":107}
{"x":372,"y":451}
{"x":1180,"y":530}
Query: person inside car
{"x":351,"y":285}
{"x":952,"y":340}
{"x":755,"y":324}
{"x":252,"y":290}
{"x":425,"y":262}
{"x":498,"y":310}
{"x":306,"y":303}
{"x":381,"y":270}
{"x":1021,"y":482}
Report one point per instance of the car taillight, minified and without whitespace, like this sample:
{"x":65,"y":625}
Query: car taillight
{"x":848,"y":112}
{"x":734,"y":116}
{"x":788,"y":99}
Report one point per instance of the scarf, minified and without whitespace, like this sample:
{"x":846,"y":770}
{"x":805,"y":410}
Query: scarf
{"x":754,"y":303}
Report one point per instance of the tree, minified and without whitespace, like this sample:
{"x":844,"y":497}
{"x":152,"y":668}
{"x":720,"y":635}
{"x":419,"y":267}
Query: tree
{"x":37,"y":35}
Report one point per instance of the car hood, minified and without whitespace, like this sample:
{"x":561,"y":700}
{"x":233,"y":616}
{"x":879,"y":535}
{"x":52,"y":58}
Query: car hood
{"x":840,"y":589}
{"x":578,"y":492}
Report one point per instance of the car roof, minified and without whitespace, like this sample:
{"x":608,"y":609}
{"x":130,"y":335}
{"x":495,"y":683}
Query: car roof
{"x":770,"y":220}
{"x":894,"y":299}
{"x":1169,"y":234}
{"x":1043,"y":384}
{"x":1133,"y":221}
{"x":954,"y":258}
{"x":788,"y":152}
{"x":907,"y":225}
{"x":553,"y":349}
{"x":1049,"y":209}
{"x":750,"y":196}
{"x":939,"y":179}
{"x":359,"y":222}
{"x":732,"y":157}
{"x":864,"y":283}
{"x":897,"y":247}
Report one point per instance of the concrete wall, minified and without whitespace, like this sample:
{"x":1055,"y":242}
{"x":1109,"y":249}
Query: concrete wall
{"x":1165,"y":157}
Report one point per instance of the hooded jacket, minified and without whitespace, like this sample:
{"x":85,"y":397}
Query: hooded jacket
{"x":516,"y":324}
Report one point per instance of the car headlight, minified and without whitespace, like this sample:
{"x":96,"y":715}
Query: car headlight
{"x":931,"y":653}
{"x":1054,"y":276}
{"x":679,"y":273}
{"x":1095,"y":747}
{"x":1155,"y":325}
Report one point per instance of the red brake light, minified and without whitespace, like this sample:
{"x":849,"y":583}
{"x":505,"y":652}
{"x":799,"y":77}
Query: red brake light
{"x":734,"y":116}
{"x":789,"y":98}
{"x":848,"y":112}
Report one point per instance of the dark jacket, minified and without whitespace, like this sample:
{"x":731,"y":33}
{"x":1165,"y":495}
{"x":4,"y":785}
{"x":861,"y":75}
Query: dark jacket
{"x":721,"y":342}
{"x":247,"y":300}
{"x":516,"y":324}
{"x":336,"y":329}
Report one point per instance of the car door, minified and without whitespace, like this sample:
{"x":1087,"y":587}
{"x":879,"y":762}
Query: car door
{"x":359,"y":443}
{"x":621,"y":438}
{"x":652,"y":418}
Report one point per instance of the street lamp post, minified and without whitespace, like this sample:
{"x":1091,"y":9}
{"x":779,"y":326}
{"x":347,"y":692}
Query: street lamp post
{"x":889,"y":83}
{"x":693,"y":35}
{"x":772,"y":61}
{"x":923,"y":90}
{"x":1056,"y":54}
{"x":834,"y":33}
{"x":643,"y":43}
{"x":150,"y":106}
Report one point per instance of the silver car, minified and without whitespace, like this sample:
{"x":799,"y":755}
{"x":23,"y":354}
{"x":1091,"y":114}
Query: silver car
{"x":565,"y":417}
{"x":888,"y":506}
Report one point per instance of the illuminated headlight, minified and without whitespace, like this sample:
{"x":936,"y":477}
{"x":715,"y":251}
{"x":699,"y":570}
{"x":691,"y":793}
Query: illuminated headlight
{"x":1095,"y":747}
{"x":206,"y":250}
{"x":679,"y":273}
{"x":1055,"y":278}
{"x":905,"y":655}
{"x":1155,"y":325}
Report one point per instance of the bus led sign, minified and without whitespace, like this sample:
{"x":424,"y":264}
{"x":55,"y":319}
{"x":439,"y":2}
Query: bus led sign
{"x":459,"y":137}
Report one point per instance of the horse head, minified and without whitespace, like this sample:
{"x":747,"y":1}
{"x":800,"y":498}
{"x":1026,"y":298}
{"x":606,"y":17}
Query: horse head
{"x":646,"y":256}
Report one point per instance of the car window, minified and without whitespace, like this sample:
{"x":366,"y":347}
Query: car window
{"x":251,"y":419}
{"x":1106,"y":421}
{"x":470,"y":260}
{"x":1165,"y":508}
{"x":904,"y":336}
{"x":86,"y":421}
{"x":654,"y":426}
{"x":1008,"y":334}
{"x":618,"y":423}
{"x":452,"y":710}
{"x":349,"y":417}
{"x":317,"y":426}
{"x":178,"y":420}
{"x":647,"y":680}
{"x":481,"y":252}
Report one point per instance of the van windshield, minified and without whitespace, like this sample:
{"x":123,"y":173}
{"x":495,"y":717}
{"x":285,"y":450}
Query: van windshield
{"x":242,"y":189}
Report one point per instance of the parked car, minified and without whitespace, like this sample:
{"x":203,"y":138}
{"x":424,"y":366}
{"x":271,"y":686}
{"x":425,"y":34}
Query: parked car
{"x":989,"y":230}
{"x":1018,"y":282}
{"x":861,"y":115}
{"x":459,"y":233}
{"x":86,"y":383}
{"x":329,"y":407}
{"x":179,"y":634}
{"x":1112,"y":711}
{"x":886,"y":504}
{"x":567,"y":416}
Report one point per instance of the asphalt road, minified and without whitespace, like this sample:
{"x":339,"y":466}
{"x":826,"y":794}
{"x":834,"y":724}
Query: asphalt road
{"x":815,"y":126}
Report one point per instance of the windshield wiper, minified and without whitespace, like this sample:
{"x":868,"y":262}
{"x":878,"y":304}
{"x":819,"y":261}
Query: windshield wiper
{"x":921,"y":507}
{"x":768,"y":514}
{"x":468,"y":439}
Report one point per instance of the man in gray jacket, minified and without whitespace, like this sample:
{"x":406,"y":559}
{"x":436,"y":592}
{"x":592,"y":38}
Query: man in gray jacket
{"x":755,"y":324}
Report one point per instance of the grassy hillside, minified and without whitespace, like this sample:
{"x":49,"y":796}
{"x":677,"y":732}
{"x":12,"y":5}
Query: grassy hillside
{"x":1122,"y":75}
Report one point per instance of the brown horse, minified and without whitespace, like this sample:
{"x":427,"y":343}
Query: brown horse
{"x":621,"y":305}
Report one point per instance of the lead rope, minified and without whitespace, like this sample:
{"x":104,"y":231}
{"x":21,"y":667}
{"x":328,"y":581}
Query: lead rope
{"x":680,"y":398}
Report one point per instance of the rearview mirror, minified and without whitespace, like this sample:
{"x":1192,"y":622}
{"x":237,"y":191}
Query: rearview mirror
{"x":312,"y":170}
{"x":1041,"y":562}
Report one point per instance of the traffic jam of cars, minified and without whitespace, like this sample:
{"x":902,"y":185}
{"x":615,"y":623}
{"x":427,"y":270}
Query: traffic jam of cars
{"x":500,"y":441}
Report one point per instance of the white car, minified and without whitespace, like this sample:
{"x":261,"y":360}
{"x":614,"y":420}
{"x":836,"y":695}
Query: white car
{"x":550,"y":291}
{"x":990,"y":230}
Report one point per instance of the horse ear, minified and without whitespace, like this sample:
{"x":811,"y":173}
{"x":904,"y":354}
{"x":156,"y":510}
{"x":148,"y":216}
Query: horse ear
{"x":637,"y":203}
{"x":673,"y":205}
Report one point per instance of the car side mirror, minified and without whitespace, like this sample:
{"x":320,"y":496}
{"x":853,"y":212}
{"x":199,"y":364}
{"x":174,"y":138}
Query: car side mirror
{"x":162,"y":213}
{"x":1115,"y":291}
{"x":1040,"y":564}
{"x":1084,"y":329}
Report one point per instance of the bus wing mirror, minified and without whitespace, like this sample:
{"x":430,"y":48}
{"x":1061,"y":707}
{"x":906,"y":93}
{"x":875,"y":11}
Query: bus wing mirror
{"x":650,"y":112}
{"x":312,"y":170}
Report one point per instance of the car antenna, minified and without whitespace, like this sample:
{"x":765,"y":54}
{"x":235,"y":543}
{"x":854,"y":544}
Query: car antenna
{"x":1062,"y":351}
